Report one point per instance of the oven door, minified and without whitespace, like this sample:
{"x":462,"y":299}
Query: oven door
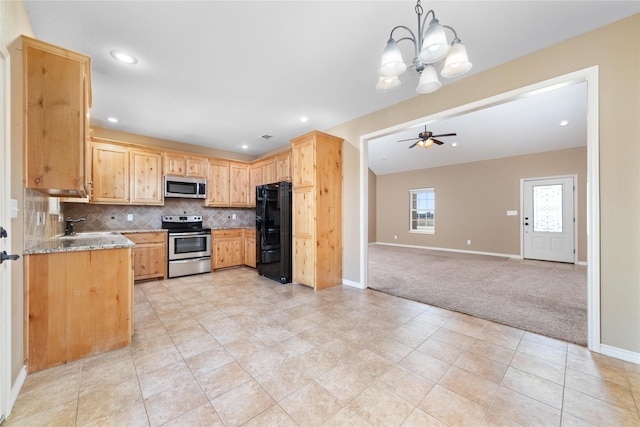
{"x":189,"y":245}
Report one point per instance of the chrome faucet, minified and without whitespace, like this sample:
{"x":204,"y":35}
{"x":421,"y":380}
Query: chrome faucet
{"x":68,"y":231}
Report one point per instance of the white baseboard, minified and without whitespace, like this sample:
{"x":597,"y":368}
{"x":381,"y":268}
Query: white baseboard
{"x":449,"y":250}
{"x":619,"y":353}
{"x":15,"y":389}
{"x":352,"y":283}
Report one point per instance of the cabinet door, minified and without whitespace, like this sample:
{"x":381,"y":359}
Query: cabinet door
{"x":255,"y":179}
{"x":54,"y":102}
{"x":174,"y":164}
{"x":239,"y":184}
{"x":149,"y":261}
{"x":250,"y":251}
{"x":269,"y":171}
{"x":196,"y":167}
{"x":303,"y":220}
{"x":283,"y":167}
{"x":303,"y":261}
{"x":110,"y":173}
{"x":146,"y":178}
{"x":228,"y":253}
{"x":302,"y":155}
{"x":218,"y":183}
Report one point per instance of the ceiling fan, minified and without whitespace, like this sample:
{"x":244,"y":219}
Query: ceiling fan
{"x":426,"y":139}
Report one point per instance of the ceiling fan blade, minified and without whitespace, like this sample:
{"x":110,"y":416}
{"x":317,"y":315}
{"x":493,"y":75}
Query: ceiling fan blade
{"x":444,"y":134}
{"x":410,"y":139}
{"x":435,"y":141}
{"x":414,"y":144}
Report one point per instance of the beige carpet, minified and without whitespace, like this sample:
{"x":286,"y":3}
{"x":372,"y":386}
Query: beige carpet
{"x":542,"y":297}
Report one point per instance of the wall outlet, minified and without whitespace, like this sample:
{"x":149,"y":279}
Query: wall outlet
{"x":233,"y":216}
{"x":129,"y":217}
{"x":468,"y":242}
{"x":395,"y":237}
{"x":37,"y":218}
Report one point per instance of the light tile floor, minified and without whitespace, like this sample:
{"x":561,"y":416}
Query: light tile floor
{"x":231,"y":348}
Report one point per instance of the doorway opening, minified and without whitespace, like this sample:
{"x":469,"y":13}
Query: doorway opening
{"x":590,"y":76}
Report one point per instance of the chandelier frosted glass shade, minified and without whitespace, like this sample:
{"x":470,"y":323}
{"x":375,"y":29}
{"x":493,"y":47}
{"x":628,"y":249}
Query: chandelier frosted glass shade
{"x":457,"y":62}
{"x":428,"y":80}
{"x":391,"y":63}
{"x":431,"y":49}
{"x":434,"y":45}
{"x":385,"y":84}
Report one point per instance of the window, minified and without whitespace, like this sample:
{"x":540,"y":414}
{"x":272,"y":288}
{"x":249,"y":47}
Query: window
{"x":422,"y":214}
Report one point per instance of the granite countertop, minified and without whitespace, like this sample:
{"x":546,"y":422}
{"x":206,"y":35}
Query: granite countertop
{"x":88,"y":241}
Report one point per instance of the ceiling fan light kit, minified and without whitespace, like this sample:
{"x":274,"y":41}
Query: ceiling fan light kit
{"x":431,"y":47}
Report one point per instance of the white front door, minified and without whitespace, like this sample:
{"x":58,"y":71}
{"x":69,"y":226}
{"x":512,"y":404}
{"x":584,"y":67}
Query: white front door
{"x":548,"y":219}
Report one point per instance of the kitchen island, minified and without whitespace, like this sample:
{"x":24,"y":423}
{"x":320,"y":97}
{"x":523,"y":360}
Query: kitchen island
{"x":79,"y":298}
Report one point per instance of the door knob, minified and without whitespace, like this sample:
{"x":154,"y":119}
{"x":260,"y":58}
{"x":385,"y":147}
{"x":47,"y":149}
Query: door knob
{"x":4,"y":257}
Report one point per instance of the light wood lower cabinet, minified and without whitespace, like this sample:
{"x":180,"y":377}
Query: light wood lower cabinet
{"x":149,"y":255}
{"x":78,"y":304}
{"x":250,"y":247}
{"x":233,"y":247}
{"x":227,"y":247}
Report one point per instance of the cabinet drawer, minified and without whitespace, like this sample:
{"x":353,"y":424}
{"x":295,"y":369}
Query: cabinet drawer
{"x":224,"y":234}
{"x":141,"y":238}
{"x":250,"y":232}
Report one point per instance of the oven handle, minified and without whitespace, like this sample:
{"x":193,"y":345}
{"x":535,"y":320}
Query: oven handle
{"x":191,"y":233}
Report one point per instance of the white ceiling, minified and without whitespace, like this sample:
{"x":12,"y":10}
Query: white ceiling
{"x":224,"y":73}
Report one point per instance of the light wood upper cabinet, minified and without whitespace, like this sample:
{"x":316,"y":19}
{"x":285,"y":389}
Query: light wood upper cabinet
{"x":181,"y":164}
{"x":146,"y":177}
{"x":124,"y":175}
{"x":218,"y":183}
{"x":283,"y":167}
{"x":317,"y":210}
{"x":57,"y":98}
{"x":269,"y":174}
{"x":255,"y":179}
{"x":239,"y":184}
{"x":175,"y":164}
{"x":110,"y":173}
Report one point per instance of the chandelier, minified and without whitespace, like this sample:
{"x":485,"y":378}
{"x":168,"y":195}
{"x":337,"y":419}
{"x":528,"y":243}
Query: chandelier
{"x":431,"y":47}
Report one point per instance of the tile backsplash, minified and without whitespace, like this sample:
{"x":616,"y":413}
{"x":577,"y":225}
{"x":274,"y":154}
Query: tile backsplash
{"x":36,"y":207}
{"x":114,"y":217}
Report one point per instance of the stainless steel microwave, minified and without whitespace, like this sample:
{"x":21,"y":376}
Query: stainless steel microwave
{"x":185,"y":187}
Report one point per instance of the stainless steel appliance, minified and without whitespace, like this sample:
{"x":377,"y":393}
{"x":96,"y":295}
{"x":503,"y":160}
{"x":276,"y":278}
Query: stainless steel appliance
{"x":273,"y":231}
{"x":185,"y":187}
{"x":189,"y":250}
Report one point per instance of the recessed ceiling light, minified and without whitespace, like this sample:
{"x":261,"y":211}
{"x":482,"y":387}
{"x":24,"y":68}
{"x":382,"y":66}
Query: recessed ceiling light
{"x":245,"y":146}
{"x":454,"y":144}
{"x":113,"y":119}
{"x":564,"y":122}
{"x":304,"y":119}
{"x":123,"y":57}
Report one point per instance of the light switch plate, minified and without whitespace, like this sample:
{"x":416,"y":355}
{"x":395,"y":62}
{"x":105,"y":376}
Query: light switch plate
{"x":512,"y":213}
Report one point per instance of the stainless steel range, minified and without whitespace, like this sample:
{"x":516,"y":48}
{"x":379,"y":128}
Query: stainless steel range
{"x":189,"y":250}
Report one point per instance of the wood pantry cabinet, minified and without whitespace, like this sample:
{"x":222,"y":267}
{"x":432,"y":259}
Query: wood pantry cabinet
{"x":317,"y":210}
{"x":57,"y":99}
{"x":77,"y":312}
{"x":149,"y":255}
{"x":125,"y":175}
{"x":227,"y":248}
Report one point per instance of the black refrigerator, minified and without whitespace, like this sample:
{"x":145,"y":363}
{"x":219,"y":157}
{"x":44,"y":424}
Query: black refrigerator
{"x":273,"y":231}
